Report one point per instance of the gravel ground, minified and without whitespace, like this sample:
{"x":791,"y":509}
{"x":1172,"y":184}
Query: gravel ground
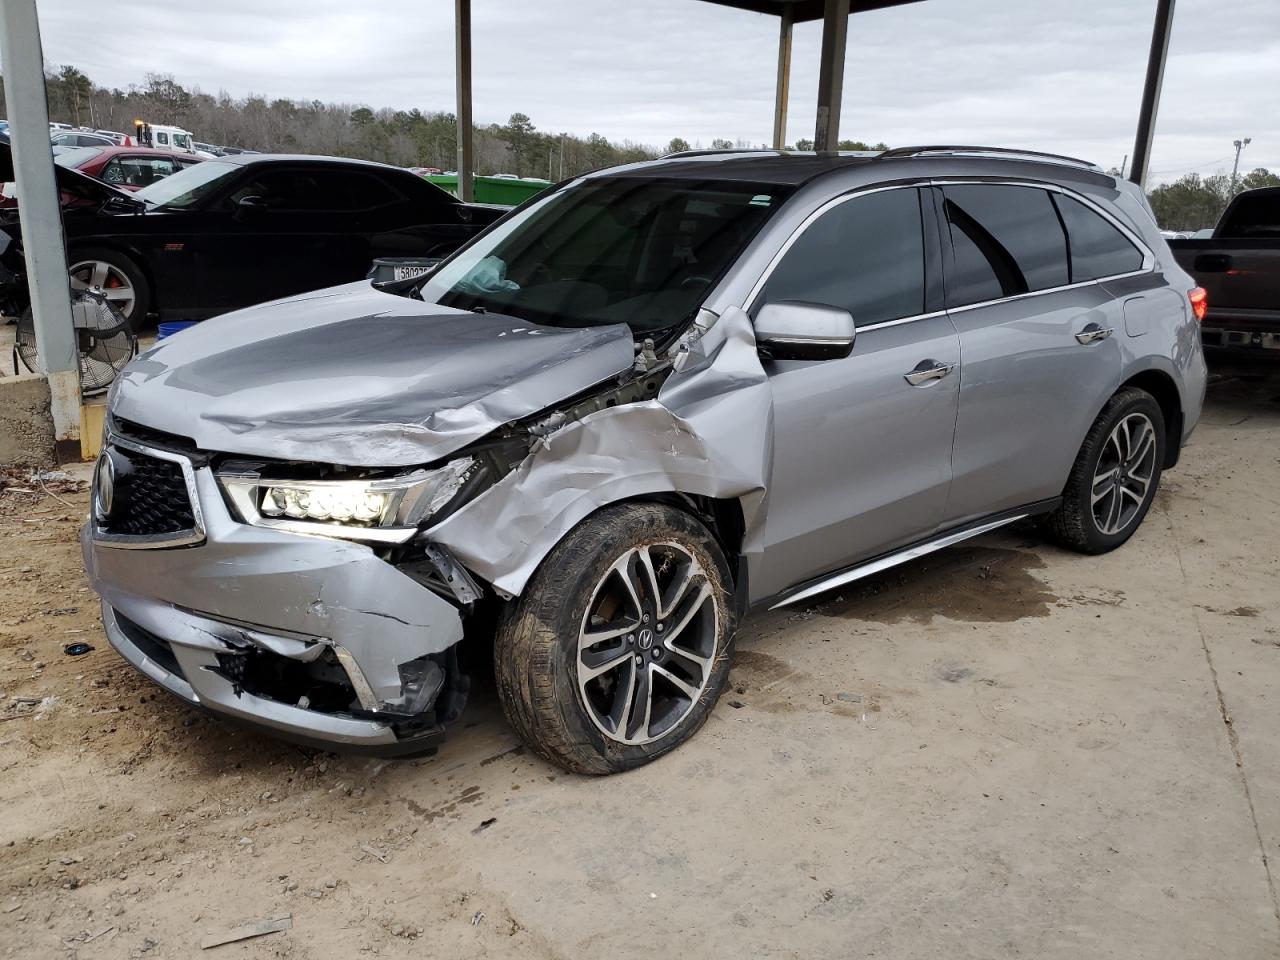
{"x":1005,"y":750}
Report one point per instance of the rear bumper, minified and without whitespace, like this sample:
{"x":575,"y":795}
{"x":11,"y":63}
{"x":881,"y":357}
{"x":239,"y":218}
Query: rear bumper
{"x":1245,"y":341}
{"x":1252,"y":331}
{"x":181,"y":614}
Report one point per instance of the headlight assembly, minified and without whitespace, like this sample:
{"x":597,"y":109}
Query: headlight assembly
{"x":388,"y":510}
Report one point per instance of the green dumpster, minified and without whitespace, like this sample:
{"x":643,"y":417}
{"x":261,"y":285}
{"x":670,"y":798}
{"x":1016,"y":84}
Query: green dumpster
{"x":493,"y":189}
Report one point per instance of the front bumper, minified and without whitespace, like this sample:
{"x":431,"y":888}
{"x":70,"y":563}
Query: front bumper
{"x":177,"y":613}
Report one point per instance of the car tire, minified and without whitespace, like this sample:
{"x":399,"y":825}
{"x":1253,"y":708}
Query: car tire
{"x":578,"y":703}
{"x":120,"y":272}
{"x":1114,"y":478}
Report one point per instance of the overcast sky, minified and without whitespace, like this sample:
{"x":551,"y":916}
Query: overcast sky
{"x":1060,"y":75}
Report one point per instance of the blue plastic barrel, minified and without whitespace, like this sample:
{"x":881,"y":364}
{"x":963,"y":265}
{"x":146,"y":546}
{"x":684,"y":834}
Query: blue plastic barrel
{"x":172,"y":327}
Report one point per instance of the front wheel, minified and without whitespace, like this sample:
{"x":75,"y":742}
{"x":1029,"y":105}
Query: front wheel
{"x":620,"y":645}
{"x":1115,"y":476}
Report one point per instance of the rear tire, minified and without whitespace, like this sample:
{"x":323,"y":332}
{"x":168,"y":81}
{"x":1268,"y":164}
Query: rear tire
{"x":1114,"y":478}
{"x":663,"y":648}
{"x":119,"y":276}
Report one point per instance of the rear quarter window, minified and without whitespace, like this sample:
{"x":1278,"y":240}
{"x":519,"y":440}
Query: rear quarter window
{"x":1005,"y":240}
{"x":1098,"y":248}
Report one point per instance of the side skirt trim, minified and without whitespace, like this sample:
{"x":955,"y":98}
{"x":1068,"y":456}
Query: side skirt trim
{"x":866,"y":569}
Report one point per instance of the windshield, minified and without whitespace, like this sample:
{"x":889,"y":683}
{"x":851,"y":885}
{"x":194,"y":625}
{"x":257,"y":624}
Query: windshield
{"x":188,"y":187}
{"x":618,"y":250}
{"x":74,"y":156}
{"x":182,"y":140}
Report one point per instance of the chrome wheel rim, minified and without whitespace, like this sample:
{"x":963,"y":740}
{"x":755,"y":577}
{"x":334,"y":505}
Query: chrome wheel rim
{"x":1123,"y":474}
{"x":647,"y":643}
{"x":104,"y":280}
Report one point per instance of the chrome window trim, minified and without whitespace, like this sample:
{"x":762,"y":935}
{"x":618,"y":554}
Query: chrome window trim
{"x":758,"y":287}
{"x":124,"y":541}
{"x":1148,"y":256}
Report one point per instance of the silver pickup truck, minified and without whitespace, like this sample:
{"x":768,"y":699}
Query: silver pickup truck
{"x":1239,"y":269}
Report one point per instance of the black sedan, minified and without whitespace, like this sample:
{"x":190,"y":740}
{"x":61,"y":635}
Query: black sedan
{"x":240,"y":230}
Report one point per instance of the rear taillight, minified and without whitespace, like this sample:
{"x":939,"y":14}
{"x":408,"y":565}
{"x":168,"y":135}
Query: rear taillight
{"x":1199,"y":302}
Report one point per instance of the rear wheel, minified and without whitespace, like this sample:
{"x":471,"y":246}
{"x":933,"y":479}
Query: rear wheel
{"x":620,"y":645}
{"x":1115,"y":476}
{"x":116,"y":277}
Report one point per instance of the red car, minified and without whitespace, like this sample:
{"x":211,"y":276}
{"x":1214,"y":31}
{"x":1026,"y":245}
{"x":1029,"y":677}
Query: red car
{"x":129,"y":168}
{"x":126,"y":168}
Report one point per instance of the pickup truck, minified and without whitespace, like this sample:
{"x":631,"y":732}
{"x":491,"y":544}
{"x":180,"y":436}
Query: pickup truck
{"x":1239,"y":268}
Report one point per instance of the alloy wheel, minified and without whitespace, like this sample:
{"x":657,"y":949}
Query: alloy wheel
{"x":1123,"y":473}
{"x":107,"y":280}
{"x":647,"y":643}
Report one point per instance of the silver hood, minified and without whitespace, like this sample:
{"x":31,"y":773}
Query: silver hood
{"x":352,"y":375}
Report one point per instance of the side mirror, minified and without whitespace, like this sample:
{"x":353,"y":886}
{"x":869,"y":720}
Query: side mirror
{"x":250,"y":206}
{"x":794,"y":330}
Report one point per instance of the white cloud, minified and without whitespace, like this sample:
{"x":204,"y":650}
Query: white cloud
{"x":1040,"y":74}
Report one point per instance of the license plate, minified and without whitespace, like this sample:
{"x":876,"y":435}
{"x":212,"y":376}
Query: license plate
{"x":408,"y":273}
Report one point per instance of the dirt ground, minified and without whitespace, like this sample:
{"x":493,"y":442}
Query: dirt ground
{"x":1003,"y":751}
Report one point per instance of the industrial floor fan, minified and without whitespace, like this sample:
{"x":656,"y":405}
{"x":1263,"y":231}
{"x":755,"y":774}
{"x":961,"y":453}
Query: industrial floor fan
{"x":104,"y":341}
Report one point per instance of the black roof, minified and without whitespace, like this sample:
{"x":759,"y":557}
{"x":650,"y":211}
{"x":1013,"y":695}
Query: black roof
{"x":796,"y":167}
{"x":247,"y":159}
{"x":784,"y":168}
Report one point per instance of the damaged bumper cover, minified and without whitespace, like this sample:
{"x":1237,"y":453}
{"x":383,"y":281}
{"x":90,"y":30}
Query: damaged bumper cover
{"x":314,"y":639}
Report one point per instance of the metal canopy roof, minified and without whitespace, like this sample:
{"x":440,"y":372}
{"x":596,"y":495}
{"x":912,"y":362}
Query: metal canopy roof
{"x":802,"y":10}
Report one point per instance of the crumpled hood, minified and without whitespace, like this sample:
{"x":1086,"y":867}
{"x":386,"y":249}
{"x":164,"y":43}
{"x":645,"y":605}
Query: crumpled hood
{"x":351,"y":375}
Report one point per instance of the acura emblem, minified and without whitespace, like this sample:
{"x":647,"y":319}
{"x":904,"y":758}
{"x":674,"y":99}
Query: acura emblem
{"x":646,"y":638}
{"x":104,"y":487}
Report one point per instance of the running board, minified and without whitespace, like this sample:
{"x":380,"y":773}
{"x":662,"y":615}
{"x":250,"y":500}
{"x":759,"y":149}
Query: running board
{"x":893,"y":559}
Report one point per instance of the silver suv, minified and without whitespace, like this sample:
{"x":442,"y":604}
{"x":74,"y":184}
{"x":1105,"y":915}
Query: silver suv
{"x":642,"y":404}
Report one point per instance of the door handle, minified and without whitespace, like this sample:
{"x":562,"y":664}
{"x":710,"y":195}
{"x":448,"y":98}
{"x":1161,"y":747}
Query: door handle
{"x":927,"y":371}
{"x":1093,"y":333}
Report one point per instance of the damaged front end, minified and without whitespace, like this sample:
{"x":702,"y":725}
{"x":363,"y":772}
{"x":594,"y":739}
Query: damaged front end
{"x":327,"y":603}
{"x":336,"y":641}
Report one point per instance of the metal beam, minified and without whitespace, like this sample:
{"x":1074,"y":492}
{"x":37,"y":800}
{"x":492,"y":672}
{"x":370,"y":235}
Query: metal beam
{"x":40,"y":213}
{"x":783,"y":92}
{"x":835,"y":29}
{"x":1151,"y":92}
{"x":466,"y":153}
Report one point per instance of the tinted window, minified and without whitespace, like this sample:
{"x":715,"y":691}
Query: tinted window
{"x":1252,"y":215}
{"x":367,"y":190}
{"x":137,"y":171}
{"x":315,"y":189}
{"x":1097,"y":248}
{"x":866,"y":256}
{"x":1006,"y":240}
{"x":635,"y":250}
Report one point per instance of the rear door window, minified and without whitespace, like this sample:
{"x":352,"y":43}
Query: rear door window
{"x":1098,"y":249}
{"x":315,"y":189}
{"x":137,"y":171}
{"x":1005,"y":240}
{"x":866,"y":256}
{"x":1252,"y":216}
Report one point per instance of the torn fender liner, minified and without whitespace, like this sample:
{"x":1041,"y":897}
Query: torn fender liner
{"x":708,"y":432}
{"x":355,"y":376}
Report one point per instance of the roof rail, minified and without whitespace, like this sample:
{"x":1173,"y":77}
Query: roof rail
{"x":711,"y":153}
{"x":988,"y":151}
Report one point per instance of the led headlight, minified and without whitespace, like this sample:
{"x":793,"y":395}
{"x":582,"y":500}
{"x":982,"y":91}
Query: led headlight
{"x":387,"y":510}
